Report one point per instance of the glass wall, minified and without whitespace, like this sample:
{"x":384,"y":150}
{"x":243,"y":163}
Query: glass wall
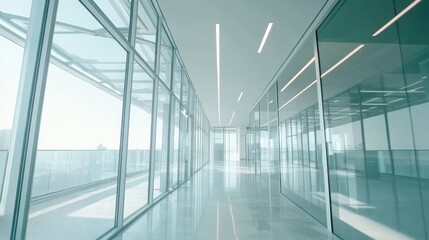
{"x":273,"y":138}
{"x":300,"y":150}
{"x":375,"y":103}
{"x":79,"y":137}
{"x":87,"y":141}
{"x":352,"y":114}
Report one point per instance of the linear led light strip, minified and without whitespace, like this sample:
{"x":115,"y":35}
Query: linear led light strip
{"x":329,"y":70}
{"x":413,"y":4}
{"x":303,"y":90}
{"x":324,"y":74}
{"x":343,"y":60}
{"x":266,"y":124}
{"x":239,"y":98}
{"x":218,"y":71}
{"x":299,"y":73}
{"x":267,"y":31}
{"x":232,"y":117}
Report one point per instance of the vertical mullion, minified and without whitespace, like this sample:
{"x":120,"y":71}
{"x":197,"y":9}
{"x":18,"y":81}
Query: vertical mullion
{"x":325,"y":164}
{"x":154,"y":111}
{"x":29,"y":107}
{"x":126,"y":112}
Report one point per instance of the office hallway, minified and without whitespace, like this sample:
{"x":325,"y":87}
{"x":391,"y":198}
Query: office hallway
{"x":226,"y":201}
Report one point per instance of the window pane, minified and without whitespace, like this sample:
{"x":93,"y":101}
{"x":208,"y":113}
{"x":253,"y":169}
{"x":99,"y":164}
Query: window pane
{"x":146,"y":32}
{"x":174,"y":142}
{"x":177,"y":76}
{"x":118,"y":12}
{"x":161,"y":149}
{"x":165,"y":59}
{"x":136,"y":192}
{"x":183,"y":145}
{"x":185,"y":91}
{"x":74,"y":184}
{"x":372,"y":81}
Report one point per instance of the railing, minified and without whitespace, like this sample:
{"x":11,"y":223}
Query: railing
{"x":57,"y":171}
{"x":60,"y":170}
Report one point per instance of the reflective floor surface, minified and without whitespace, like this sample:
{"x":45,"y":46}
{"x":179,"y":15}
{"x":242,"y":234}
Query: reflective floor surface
{"x":226,"y":201}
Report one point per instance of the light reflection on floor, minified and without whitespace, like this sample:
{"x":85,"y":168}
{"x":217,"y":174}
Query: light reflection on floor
{"x":226,"y":201}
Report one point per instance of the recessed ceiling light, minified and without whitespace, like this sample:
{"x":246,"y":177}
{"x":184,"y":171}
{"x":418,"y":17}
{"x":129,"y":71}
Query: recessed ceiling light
{"x":239,"y":98}
{"x":271,"y":102}
{"x":218,"y":70}
{"x":232,"y":117}
{"x":396,"y":17}
{"x":299,"y":73}
{"x":343,"y":59}
{"x":267,"y":31}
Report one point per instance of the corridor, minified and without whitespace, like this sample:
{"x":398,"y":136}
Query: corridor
{"x":226,"y":201}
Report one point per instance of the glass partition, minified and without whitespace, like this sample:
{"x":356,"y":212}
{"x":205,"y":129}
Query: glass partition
{"x":264,"y":138}
{"x":300,"y":150}
{"x":273,"y":138}
{"x":373,"y":57}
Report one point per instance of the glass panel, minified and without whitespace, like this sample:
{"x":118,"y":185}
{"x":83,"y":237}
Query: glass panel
{"x":190,"y":147}
{"x":414,"y":39}
{"x":165,"y":58}
{"x":136,"y":185}
{"x":75,"y":176}
{"x":161,"y":149}
{"x":118,"y":12}
{"x":185,"y":91}
{"x":273,"y":142}
{"x":14,"y":18}
{"x":218,"y":145}
{"x":373,"y":78}
{"x":264,"y":138}
{"x":146,"y":32}
{"x":174,"y":142}
{"x":177,"y":76}
{"x":257,"y":140}
{"x":183,"y":143}
{"x":301,"y":159}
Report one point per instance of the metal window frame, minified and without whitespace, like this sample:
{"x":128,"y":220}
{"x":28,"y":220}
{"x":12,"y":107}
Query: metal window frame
{"x":29,"y":107}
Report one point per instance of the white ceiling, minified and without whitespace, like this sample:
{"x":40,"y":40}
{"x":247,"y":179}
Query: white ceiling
{"x":242,"y":26}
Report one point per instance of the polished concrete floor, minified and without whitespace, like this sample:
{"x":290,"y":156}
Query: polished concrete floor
{"x":226,"y":201}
